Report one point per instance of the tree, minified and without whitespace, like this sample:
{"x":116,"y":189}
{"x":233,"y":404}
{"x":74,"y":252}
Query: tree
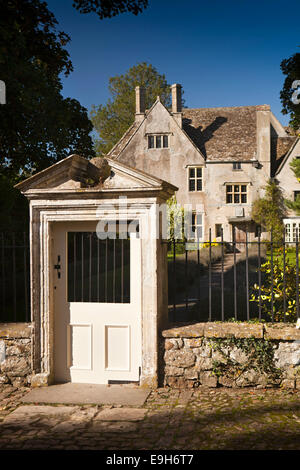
{"x":37,"y":125}
{"x":114,"y":118}
{"x":295,"y":205}
{"x":109,"y":8}
{"x":269,"y":211}
{"x":291,"y":68}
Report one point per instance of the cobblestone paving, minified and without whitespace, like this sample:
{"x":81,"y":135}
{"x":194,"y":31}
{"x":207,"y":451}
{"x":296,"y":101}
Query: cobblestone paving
{"x":170,"y":419}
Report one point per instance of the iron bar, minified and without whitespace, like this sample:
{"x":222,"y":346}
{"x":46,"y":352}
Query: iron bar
{"x":114,"y":270}
{"x":234,"y":272}
{"x":82,"y":267}
{"x":222,"y":276}
{"x":3,"y":274}
{"x":247,"y":278}
{"x":272,"y":277}
{"x":209,"y":279}
{"x":174,"y":280}
{"x":122,"y":270}
{"x":25,"y":277}
{"x":74,"y":266}
{"x":14,"y":276}
{"x":186,"y":278}
{"x":259,"y":275}
{"x":106,"y":261}
{"x":284,"y":277}
{"x":297,"y":273}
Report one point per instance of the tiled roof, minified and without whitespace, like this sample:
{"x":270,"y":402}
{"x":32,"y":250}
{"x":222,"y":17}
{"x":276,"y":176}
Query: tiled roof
{"x":117,"y":149}
{"x":223,"y":133}
{"x":279,"y":148}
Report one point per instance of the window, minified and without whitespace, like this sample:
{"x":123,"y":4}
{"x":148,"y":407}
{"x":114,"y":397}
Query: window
{"x":237,"y":166}
{"x":218,"y":230}
{"x":158,"y":141}
{"x":195,"y":178}
{"x":296,"y":194}
{"x":236,"y":194}
{"x":257,"y":230}
{"x":98,"y":270}
{"x":292,"y":230}
{"x":197,"y":226}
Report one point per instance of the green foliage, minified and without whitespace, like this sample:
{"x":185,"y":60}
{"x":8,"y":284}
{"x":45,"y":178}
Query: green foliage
{"x":37,"y":125}
{"x":112,"y":120}
{"x":270,"y":210}
{"x":279,"y":293}
{"x":295,"y":205}
{"x":107,"y":9}
{"x":259,"y":351}
{"x":291,"y":68}
{"x":176,"y":219}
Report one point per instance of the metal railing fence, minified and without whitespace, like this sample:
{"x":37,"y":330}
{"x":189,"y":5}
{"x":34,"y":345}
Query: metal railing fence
{"x":239,"y":280}
{"x":14,"y":277}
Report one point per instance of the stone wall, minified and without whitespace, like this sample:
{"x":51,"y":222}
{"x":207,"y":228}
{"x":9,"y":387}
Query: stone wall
{"x":15,"y":353}
{"x":232,"y":355}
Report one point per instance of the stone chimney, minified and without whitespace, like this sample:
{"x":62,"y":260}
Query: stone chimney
{"x":263,"y":126}
{"x":176,"y":103}
{"x":139,"y":103}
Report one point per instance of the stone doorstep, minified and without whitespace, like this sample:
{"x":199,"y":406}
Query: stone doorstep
{"x":31,"y":412}
{"x":121,"y":414}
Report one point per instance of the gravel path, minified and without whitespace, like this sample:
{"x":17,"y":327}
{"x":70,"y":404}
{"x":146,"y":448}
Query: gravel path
{"x":170,"y":419}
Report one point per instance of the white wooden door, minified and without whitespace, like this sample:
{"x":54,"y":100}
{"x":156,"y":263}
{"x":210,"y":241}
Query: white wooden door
{"x":97,"y":305}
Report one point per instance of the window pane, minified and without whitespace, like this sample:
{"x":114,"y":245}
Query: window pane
{"x":199,"y":219}
{"x":191,"y":185}
{"x":165,"y":141}
{"x":199,"y":185}
{"x":228,"y":188}
{"x":199,"y":232}
{"x":229,"y":198}
{"x":193,"y":218}
{"x":150,"y":141}
{"x":236,"y":189}
{"x":158,"y":141}
{"x":236,"y":198}
{"x":244,"y":198}
{"x":192,"y":172}
{"x":244,"y":188}
{"x":199,"y":172}
{"x":98,"y":270}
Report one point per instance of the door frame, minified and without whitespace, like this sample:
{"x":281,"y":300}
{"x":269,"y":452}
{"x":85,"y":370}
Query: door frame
{"x":153,"y":291}
{"x":117,"y":311}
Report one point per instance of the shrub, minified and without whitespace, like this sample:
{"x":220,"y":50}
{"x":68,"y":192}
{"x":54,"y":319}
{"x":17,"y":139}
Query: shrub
{"x":280,"y":294}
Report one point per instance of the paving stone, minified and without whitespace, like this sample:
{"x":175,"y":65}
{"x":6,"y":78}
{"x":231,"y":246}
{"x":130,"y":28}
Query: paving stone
{"x":122,"y":414}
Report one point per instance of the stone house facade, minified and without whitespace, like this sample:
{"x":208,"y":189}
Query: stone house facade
{"x":219,"y":158}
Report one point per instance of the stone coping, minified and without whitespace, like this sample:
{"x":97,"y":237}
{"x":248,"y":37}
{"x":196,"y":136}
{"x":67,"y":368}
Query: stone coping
{"x":279,"y":331}
{"x":15,"y":330}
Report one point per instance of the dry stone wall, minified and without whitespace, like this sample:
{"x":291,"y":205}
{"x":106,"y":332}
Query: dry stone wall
{"x":15,"y":353}
{"x":232,"y":355}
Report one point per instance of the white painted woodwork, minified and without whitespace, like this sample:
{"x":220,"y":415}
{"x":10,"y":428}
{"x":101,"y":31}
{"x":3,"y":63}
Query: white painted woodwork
{"x":95,"y":342}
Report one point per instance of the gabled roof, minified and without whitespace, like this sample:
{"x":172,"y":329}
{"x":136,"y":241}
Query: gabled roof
{"x":77,"y":175}
{"x":128,"y":135}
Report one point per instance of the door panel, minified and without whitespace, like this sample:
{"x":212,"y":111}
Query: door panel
{"x":97,"y":305}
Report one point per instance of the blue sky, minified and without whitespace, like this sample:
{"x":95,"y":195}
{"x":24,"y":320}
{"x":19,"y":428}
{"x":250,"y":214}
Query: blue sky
{"x":223,"y":53}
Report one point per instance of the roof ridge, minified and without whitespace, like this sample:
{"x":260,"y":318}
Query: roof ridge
{"x":255,"y":106}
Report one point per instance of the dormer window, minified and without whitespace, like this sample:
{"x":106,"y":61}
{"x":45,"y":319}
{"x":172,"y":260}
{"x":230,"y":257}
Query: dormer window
{"x":158,"y":141}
